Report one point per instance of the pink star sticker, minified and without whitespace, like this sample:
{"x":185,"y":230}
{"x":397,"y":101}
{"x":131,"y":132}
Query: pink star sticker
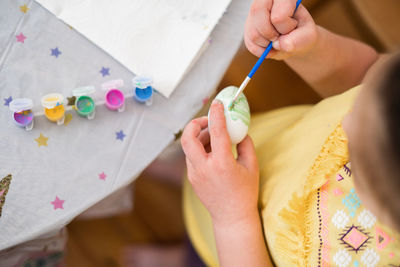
{"x":205,"y":100}
{"x":58,"y":203}
{"x":20,"y":38}
{"x":102,"y":176}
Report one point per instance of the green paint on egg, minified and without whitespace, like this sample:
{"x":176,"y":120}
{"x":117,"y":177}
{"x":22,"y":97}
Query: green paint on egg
{"x":240,"y":110}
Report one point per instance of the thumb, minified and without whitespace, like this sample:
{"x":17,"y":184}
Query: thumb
{"x":301,"y":38}
{"x":247,"y":154}
{"x":219,"y":137}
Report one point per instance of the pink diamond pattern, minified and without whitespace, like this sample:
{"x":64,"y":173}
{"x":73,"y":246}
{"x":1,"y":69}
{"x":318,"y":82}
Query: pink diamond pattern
{"x":355,"y":238}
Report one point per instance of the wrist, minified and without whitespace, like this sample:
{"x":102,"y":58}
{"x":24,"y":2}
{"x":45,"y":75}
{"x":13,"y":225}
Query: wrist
{"x":237,"y":221}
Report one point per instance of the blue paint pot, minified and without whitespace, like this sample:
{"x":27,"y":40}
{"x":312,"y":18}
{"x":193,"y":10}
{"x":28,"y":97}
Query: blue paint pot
{"x":142,"y":89}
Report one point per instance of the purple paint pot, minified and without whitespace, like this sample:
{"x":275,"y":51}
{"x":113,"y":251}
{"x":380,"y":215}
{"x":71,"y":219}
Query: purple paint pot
{"x":22,"y":112}
{"x":114,"y":99}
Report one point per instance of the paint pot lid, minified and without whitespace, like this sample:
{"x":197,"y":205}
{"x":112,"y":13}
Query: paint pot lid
{"x":142,"y":82}
{"x":52,"y":100}
{"x":85,"y":90}
{"x":113,"y":84}
{"x":21,"y":104}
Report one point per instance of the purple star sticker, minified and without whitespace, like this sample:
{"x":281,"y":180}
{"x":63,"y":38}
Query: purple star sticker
{"x":105,"y":71}
{"x":120,"y":135}
{"x":55,"y":52}
{"x":7,"y":101}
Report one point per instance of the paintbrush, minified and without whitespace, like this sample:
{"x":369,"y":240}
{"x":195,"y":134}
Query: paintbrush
{"x":256,"y":66}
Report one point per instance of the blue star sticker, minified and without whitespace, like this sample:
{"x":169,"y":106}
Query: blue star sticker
{"x":7,"y":101}
{"x":105,"y":71}
{"x":120,"y":135}
{"x":55,"y":52}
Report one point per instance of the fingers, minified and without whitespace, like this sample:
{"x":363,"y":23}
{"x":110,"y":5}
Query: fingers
{"x":281,"y":15}
{"x":247,"y":154}
{"x":204,"y":137}
{"x":259,"y":20}
{"x":252,"y":47}
{"x":274,"y":21}
{"x":220,"y":140}
{"x":300,"y":39}
{"x":258,"y":30}
{"x":191,"y":145}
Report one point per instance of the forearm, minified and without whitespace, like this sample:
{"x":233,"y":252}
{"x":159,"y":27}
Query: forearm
{"x":241,"y":243}
{"x":335,"y":64}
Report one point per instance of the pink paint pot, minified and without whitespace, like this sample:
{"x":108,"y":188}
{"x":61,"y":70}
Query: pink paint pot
{"x":114,"y":98}
{"x":22,"y":113}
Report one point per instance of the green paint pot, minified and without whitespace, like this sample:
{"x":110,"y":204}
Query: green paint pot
{"x":84,"y":105}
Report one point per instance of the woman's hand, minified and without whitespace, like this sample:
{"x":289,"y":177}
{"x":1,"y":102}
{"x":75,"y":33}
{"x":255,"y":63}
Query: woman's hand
{"x":227,"y":187}
{"x":273,"y":20}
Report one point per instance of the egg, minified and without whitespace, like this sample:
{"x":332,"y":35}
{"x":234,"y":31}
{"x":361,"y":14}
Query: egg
{"x":238,"y":118}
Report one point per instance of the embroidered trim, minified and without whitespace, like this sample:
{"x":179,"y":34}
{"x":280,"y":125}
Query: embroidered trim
{"x":293,"y":243}
{"x":325,"y":224}
{"x":319,"y":227}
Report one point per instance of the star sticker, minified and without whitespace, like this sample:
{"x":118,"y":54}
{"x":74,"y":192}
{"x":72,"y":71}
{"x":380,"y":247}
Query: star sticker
{"x":120,"y":135}
{"x":102,"y":176}
{"x":24,"y":8}
{"x":105,"y":71}
{"x":58,"y":203}
{"x":41,"y":140}
{"x":55,"y":52}
{"x":71,"y":100}
{"x":205,"y":100}
{"x":21,"y":38}
{"x":178,"y":135}
{"x":68,"y":118}
{"x":7,"y":101}
{"x":4,"y":186}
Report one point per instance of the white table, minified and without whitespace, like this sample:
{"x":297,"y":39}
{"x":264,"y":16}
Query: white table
{"x":83,"y":147}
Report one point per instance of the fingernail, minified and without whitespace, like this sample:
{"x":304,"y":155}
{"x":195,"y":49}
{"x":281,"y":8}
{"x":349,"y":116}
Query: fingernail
{"x":216,"y":102}
{"x":276,"y":45}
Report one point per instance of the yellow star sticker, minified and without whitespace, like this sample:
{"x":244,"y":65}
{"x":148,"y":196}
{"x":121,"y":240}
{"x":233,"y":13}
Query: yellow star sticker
{"x":24,"y":8}
{"x":42,"y":140}
{"x":68,"y":118}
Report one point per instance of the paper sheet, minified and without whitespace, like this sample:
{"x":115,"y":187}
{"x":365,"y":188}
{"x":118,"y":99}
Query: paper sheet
{"x":150,"y":37}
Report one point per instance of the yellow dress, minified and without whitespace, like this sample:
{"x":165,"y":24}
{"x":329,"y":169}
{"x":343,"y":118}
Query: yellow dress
{"x":310,"y":216}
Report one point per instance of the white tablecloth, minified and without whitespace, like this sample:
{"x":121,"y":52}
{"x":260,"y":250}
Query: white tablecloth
{"x":82,"y":162}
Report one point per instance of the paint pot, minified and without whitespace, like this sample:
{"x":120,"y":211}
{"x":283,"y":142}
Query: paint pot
{"x":84,"y":104}
{"x":142,"y":89}
{"x":114,"y":98}
{"x":54,"y":108}
{"x":22,"y":112}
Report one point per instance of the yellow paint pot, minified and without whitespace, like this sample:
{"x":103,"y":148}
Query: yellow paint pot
{"x":54,"y":108}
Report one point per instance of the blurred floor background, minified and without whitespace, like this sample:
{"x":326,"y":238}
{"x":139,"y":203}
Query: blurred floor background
{"x":153,"y":233}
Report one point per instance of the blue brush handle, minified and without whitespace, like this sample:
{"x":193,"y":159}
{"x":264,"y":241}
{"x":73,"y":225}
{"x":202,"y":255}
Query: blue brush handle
{"x":267,"y":50}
